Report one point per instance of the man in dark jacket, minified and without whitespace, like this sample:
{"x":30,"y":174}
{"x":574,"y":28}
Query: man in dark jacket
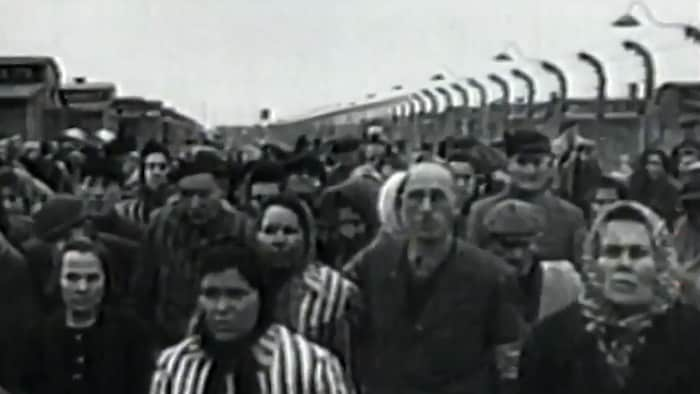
{"x":164,"y":281}
{"x":531,"y":169}
{"x":436,"y":309}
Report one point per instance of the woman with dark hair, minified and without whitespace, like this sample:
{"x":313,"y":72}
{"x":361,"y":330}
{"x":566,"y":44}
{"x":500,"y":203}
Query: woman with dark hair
{"x":652,"y":185}
{"x":234,"y":344}
{"x":314,"y":299}
{"x":88,"y":346}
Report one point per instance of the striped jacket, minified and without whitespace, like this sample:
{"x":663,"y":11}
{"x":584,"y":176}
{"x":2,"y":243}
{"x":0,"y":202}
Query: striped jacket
{"x":320,"y":305}
{"x":133,"y":210}
{"x":289,"y":365}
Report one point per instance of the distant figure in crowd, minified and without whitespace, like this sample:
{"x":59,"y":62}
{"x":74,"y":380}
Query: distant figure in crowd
{"x":652,"y":185}
{"x":87,"y":346}
{"x":165,"y":281}
{"x":628,"y":333}
{"x":436,"y":309}
{"x":264,"y":180}
{"x":153,"y":189}
{"x":348,"y":209}
{"x":234,"y":346}
{"x":464,"y":168}
{"x":531,"y":169}
{"x":346,"y":154}
{"x":607,"y":191}
{"x":687,"y":237}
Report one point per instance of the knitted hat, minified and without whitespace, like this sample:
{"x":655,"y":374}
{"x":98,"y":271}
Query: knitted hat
{"x":57,"y":216}
{"x":514,"y":218}
{"x":526,"y":142}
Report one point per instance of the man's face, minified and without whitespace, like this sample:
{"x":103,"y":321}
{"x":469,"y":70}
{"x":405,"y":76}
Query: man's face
{"x":261,"y":191}
{"x":627,"y":262}
{"x":281,"y":236}
{"x":156,"y":170}
{"x":465,"y":180}
{"x":82,"y":281}
{"x":230,"y":304}
{"x":100,"y":194}
{"x":531,"y":171}
{"x":517,"y":251}
{"x":603,"y":197}
{"x":201,"y":203}
{"x":427,"y":208}
{"x":12,"y":202}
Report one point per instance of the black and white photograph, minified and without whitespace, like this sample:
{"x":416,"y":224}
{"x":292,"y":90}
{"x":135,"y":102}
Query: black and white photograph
{"x":349,"y":197}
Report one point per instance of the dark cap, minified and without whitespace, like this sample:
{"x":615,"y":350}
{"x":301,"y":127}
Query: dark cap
{"x":154,"y":147}
{"x":513,"y":217}
{"x":58,"y":215}
{"x":526,"y":142}
{"x":203,"y":162}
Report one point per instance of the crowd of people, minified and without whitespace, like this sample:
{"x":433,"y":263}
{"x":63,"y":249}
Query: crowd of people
{"x":355,"y":265}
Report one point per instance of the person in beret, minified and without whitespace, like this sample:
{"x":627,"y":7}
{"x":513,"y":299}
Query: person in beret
{"x":265,"y":179}
{"x":197,"y":215}
{"x":531,"y":169}
{"x":543,"y":287}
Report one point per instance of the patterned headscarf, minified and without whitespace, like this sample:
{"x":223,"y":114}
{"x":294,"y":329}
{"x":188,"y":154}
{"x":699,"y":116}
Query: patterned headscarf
{"x":387,"y":204}
{"x":617,"y":338}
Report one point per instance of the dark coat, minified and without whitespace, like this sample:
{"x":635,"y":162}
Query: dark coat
{"x":564,"y":231}
{"x":560,"y":357}
{"x":441,"y":341}
{"x":119,"y":357}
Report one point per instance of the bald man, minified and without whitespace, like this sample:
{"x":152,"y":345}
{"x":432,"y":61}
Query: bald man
{"x":435,"y":308}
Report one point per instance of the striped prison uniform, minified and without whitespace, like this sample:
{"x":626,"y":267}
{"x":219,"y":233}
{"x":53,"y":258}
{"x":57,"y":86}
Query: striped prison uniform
{"x":289,"y":364}
{"x":133,"y":210}
{"x":320,"y":306}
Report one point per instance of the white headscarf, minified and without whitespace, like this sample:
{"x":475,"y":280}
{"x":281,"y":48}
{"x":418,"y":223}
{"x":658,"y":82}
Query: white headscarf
{"x":387,"y":203}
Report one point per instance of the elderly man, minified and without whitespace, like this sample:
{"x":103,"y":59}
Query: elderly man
{"x":531,"y":169}
{"x":435,"y":308}
{"x":628,"y":333}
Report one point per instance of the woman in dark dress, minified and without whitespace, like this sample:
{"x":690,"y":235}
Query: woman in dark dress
{"x":87,"y":347}
{"x":628,"y":333}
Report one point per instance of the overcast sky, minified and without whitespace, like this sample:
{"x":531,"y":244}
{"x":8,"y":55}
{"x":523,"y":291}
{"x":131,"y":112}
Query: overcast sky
{"x":222,"y":60}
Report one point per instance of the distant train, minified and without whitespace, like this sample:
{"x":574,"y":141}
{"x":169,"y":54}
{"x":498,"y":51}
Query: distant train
{"x":35,"y":105}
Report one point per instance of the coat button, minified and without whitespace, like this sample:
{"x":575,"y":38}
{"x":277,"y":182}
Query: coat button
{"x":77,"y":376}
{"x":80,"y":360}
{"x":78,"y":337}
{"x":419,"y":328}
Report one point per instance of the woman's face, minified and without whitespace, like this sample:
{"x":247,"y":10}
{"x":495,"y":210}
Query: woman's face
{"x":280,"y":236}
{"x":654,"y":165}
{"x":230,"y":304}
{"x":627,"y":263}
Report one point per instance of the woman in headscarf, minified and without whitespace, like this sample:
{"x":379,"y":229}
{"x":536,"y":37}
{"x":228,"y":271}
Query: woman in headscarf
{"x":652,"y":185}
{"x":235,"y":345}
{"x":628,"y":320}
{"x":313,"y":299}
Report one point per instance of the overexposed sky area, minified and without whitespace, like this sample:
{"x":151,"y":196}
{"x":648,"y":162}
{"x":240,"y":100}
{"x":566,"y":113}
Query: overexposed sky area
{"x":220,"y":61}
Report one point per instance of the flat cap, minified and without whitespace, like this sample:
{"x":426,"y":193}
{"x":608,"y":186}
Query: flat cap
{"x":513,"y":217}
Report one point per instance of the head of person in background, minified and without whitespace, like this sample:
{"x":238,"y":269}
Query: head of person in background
{"x":655,"y":164}
{"x":690,"y":196}
{"x":467,"y":179}
{"x":154,"y":166}
{"x":686,"y":154}
{"x":346,"y":152}
{"x":285,"y":235}
{"x":306,"y":177}
{"x":514,"y":227}
{"x":101,"y":186}
{"x":265,"y":179}
{"x":531,"y":166}
{"x":199,"y":194}
{"x":14,"y":200}
{"x":607,"y":191}
{"x":61,"y":219}
{"x":374,"y":150}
